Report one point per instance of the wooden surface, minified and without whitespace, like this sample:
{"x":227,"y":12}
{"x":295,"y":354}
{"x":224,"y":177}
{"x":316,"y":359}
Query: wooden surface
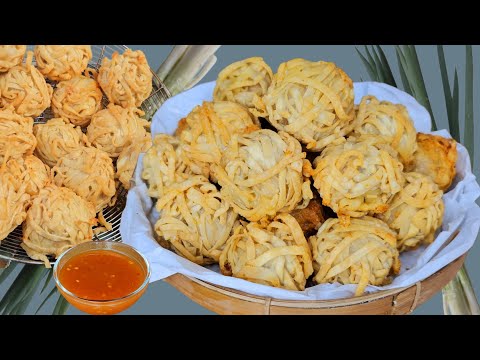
{"x":393,"y":302}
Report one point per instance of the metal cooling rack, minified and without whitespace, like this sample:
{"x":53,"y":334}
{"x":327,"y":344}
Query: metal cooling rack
{"x":10,"y":248}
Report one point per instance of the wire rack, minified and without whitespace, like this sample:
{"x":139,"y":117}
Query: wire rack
{"x":10,"y":248}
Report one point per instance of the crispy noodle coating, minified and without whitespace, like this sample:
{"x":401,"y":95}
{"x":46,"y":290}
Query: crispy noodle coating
{"x":313,"y":101}
{"x":363,"y":252}
{"x":11,"y":56}
{"x":245,"y":82}
{"x":261,"y":174}
{"x":57,"y":220}
{"x":31,"y":172}
{"x":16,"y":135}
{"x":416,"y":212}
{"x":272,"y":253}
{"x":62,"y":62}
{"x":127,"y":160}
{"x":24,"y":88}
{"x":195,"y":220}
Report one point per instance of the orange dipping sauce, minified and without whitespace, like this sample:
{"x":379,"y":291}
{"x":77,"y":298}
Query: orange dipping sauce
{"x":101,"y":275}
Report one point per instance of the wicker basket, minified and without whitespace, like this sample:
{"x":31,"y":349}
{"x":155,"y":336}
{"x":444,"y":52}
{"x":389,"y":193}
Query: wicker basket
{"x":392,"y":302}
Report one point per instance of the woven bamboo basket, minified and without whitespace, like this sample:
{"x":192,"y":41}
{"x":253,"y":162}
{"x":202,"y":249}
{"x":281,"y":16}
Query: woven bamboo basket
{"x":401,"y":301}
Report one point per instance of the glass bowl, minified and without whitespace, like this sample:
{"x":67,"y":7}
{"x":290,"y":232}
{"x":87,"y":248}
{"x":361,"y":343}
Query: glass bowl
{"x":102,"y":307}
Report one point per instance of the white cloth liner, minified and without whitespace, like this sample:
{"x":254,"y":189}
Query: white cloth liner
{"x":461,"y":211}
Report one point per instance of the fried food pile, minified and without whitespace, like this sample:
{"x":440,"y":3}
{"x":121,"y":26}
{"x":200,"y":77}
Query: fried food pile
{"x":59,"y":175}
{"x":310,"y":189}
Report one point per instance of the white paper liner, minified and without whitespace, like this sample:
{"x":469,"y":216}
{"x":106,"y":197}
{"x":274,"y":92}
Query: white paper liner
{"x":461,"y":211}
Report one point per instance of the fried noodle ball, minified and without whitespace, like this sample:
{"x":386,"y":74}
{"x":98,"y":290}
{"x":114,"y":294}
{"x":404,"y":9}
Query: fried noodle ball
{"x":16,"y":135}
{"x":195,"y":220}
{"x":62,"y":62}
{"x":77,"y":100}
{"x":208,"y":131}
{"x":13,"y":203}
{"x":313,"y":101}
{"x":127,"y":160}
{"x":89,"y":173}
{"x":115,"y":128}
{"x":363,"y":253}
{"x":261,"y":174}
{"x":392,"y":121}
{"x":436,"y":157}
{"x":272,"y":253}
{"x":25,"y":89}
{"x":126,"y":79}
{"x":57,"y":138}
{"x":30,"y":171}
{"x":416,"y":212}
{"x":358,"y":177}
{"x":57,"y":220}
{"x":11,"y":56}
{"x":245,"y":82}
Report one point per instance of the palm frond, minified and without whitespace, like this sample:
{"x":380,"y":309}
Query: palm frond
{"x":468,"y":136}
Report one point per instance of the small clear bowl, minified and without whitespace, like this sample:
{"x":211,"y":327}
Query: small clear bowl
{"x":102,"y":307}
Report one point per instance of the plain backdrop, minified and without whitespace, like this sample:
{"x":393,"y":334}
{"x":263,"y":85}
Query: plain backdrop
{"x":161,"y":298}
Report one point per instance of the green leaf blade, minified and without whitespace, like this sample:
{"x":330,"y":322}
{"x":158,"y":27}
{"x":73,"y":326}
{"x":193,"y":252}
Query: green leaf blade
{"x":469,"y":141}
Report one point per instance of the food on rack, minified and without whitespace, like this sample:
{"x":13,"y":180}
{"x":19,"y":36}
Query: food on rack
{"x":311,"y":217}
{"x":245,"y":82}
{"x":77,"y":100}
{"x":31,"y":172}
{"x":89,"y":173}
{"x":56,"y":138}
{"x":416,"y":212}
{"x":436,"y":157}
{"x":16,"y":135}
{"x":363,"y":252}
{"x":208,"y":130}
{"x":13,"y":202}
{"x":127,"y":160}
{"x":62,"y":62}
{"x":126,"y":79}
{"x":11,"y":56}
{"x":358,"y":177}
{"x":261,"y":174}
{"x":57,"y":220}
{"x":163,"y":165}
{"x":313,"y":101}
{"x":382,"y":118}
{"x":272,"y":253}
{"x":115,"y":128}
{"x":24,"y":88}
{"x":195,"y":220}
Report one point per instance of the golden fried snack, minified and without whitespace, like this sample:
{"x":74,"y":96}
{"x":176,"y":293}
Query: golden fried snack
{"x":115,"y":128}
{"x":313,"y":101}
{"x":164,"y":164}
{"x":62,"y":62}
{"x":271,"y":253}
{"x":25,"y":89}
{"x":358,"y":177}
{"x":436,"y":157}
{"x":57,"y":220}
{"x":77,"y":100}
{"x":16,"y":135}
{"x":31,"y":172}
{"x":195,"y":220}
{"x":261,"y":174}
{"x":416,"y":212}
{"x":363,"y":253}
{"x":392,"y":121}
{"x":245,"y":82}
{"x":57,"y":138}
{"x":89,"y":173}
{"x":126,"y":79}
{"x":209,"y":129}
{"x":310,"y":218}
{"x":13,"y":203}
{"x":11,"y":56}
{"x":127,"y":160}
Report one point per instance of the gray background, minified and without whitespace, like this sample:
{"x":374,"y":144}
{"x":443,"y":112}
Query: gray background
{"x":161,"y":298}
